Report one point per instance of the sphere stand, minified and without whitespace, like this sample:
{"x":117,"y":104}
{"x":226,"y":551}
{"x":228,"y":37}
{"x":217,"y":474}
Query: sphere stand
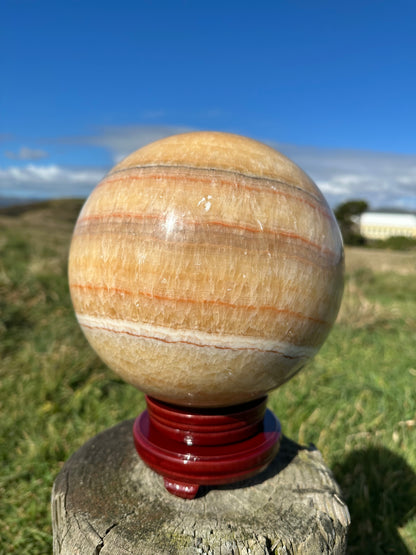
{"x":192,"y":447}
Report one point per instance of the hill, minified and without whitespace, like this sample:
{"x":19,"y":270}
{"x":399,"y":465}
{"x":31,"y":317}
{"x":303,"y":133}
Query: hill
{"x":56,"y":210}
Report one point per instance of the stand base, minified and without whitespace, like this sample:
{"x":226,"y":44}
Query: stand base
{"x":195,"y":447}
{"x":106,"y":500}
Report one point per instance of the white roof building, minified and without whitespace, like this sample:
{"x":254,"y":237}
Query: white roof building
{"x":382,"y":225}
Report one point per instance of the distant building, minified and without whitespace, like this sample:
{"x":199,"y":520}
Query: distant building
{"x":382,"y":225}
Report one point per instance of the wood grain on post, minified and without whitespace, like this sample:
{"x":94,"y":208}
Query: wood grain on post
{"x":106,"y":501}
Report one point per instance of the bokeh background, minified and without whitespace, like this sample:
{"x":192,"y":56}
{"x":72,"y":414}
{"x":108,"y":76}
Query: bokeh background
{"x":330,"y":84}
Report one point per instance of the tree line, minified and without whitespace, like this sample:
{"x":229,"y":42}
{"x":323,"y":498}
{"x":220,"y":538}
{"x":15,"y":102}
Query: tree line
{"x":347,"y":215}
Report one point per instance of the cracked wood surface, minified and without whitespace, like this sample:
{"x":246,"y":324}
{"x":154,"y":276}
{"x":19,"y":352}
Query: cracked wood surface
{"x":106,"y":501}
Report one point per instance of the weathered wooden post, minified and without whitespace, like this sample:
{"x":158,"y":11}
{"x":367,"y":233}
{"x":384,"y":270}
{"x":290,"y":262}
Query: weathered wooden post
{"x":205,"y":269}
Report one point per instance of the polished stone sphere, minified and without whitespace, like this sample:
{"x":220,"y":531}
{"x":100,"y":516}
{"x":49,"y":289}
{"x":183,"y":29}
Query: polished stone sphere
{"x":206,"y":269}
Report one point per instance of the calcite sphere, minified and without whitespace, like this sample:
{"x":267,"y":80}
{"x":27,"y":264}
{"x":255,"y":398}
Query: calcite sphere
{"x":206,"y":269}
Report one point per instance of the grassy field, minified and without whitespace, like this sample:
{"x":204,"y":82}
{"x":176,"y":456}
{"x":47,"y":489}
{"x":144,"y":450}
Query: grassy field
{"x":356,"y":401}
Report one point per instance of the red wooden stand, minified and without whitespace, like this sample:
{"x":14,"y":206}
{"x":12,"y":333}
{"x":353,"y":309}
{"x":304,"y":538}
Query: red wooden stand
{"x":191,"y":447}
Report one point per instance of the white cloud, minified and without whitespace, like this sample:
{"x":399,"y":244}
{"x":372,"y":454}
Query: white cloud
{"x":48,"y":181}
{"x":25,"y":153}
{"x":382,"y":179}
{"x":122,"y":140}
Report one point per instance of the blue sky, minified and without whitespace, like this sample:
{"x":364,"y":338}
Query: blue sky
{"x":330,"y":84}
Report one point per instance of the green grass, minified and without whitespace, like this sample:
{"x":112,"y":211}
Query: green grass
{"x":356,"y":401}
